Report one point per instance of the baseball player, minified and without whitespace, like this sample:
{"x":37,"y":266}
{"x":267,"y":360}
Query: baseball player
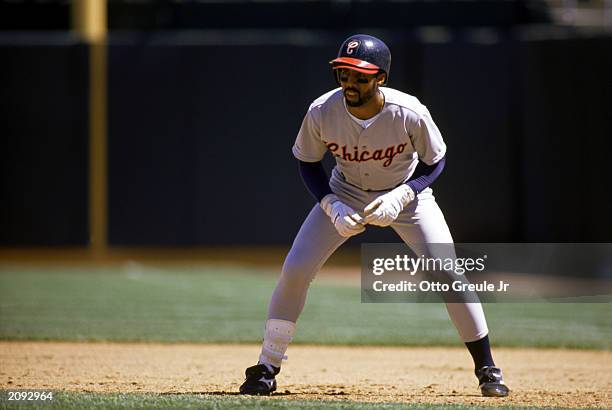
{"x":379,"y":137}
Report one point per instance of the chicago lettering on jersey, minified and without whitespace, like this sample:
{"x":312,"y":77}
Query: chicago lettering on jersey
{"x":355,"y":155}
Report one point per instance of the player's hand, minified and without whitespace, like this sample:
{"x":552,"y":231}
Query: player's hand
{"x":386,"y":208}
{"x":346,"y":221}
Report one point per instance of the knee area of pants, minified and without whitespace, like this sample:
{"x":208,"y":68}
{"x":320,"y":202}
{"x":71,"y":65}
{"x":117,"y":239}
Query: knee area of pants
{"x":298,"y":264}
{"x":296,"y":273}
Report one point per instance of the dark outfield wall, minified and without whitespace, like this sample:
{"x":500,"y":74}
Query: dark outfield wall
{"x":43,"y":140}
{"x":200,"y":138}
{"x":216,"y":167}
{"x":528,"y":129}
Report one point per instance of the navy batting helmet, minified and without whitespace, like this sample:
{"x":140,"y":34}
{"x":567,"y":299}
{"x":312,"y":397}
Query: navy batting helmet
{"x":364,"y":53}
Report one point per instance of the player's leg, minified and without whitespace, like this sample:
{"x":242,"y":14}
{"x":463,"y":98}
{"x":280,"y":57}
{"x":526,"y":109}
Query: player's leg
{"x":422,"y":227}
{"x":316,"y":240}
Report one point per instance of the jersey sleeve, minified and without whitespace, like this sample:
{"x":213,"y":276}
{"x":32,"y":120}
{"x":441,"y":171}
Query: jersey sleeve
{"x":309,"y":146}
{"x":427,"y":139}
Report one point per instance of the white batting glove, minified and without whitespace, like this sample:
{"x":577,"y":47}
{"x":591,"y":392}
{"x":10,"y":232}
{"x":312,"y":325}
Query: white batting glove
{"x":386,"y":208}
{"x":346,"y":221}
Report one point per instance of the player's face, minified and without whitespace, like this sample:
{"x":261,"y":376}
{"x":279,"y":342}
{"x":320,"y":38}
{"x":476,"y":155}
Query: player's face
{"x":358,"y":88}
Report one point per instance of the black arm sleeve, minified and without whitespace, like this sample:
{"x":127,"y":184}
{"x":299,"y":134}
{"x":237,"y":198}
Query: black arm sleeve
{"x":314,"y":177}
{"x":424,"y":175}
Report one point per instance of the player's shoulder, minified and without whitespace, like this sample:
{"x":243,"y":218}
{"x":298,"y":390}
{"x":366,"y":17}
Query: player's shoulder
{"x":403,"y":100}
{"x":328,"y":99}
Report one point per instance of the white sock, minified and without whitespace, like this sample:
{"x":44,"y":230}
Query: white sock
{"x":277,"y":336}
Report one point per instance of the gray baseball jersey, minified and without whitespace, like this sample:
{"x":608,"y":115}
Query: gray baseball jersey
{"x":378,"y":157}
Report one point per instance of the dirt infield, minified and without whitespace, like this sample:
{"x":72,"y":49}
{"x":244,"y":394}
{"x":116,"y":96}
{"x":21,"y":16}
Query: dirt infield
{"x":568,"y":378}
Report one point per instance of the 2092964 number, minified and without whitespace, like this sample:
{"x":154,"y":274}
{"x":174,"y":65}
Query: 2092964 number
{"x":30,"y":395}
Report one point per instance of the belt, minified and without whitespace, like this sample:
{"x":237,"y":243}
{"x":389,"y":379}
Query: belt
{"x":370,"y":190}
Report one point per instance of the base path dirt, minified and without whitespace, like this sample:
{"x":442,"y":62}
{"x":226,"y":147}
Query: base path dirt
{"x":537,"y":377}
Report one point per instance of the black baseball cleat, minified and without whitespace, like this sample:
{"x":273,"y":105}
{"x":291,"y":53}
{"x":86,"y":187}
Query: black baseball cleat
{"x":492,"y":382}
{"x":260,"y":380}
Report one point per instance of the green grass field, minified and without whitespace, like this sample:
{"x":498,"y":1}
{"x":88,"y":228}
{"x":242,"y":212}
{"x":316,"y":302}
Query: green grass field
{"x":194,"y":401}
{"x":225,"y":305}
{"x":221,"y":304}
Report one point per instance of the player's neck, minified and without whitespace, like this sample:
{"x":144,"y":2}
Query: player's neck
{"x":369,"y":109}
